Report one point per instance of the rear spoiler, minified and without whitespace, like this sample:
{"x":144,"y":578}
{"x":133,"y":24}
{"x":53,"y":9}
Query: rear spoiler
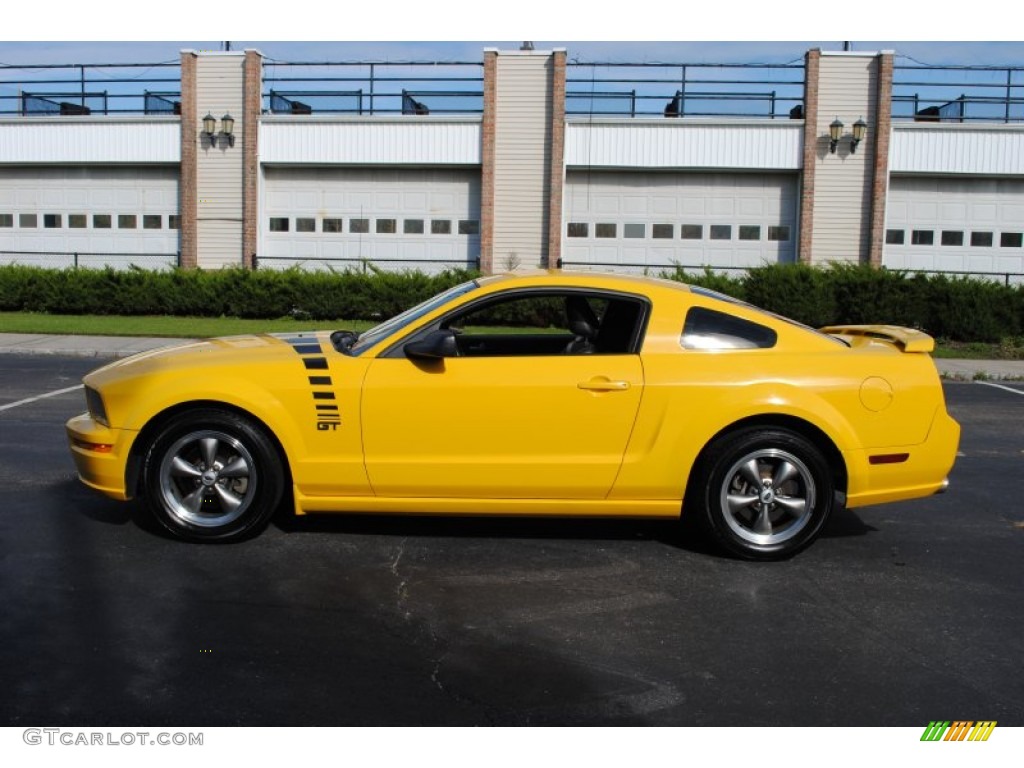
{"x":907,"y":339}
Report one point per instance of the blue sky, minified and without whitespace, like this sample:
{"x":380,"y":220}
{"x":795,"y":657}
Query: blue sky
{"x":751,"y":51}
{"x":628,"y":30}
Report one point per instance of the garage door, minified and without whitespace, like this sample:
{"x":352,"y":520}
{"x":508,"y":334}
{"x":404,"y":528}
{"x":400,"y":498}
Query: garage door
{"x":392,"y":218}
{"x":657,"y":220}
{"x":115,"y":216}
{"x":962,"y":225}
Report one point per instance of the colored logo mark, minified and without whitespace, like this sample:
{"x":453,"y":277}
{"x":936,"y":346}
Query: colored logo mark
{"x":958,"y":730}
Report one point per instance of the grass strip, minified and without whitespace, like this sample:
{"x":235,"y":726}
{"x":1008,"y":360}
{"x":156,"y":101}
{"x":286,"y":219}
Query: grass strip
{"x":161,"y":325}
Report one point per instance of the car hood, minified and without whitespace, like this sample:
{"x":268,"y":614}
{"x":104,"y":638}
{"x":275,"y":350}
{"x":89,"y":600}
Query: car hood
{"x":229,"y":350}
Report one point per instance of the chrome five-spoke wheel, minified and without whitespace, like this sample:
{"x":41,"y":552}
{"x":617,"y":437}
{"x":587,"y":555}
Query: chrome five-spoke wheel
{"x":208,"y":478}
{"x":765,"y":492}
{"x":212,"y":475}
{"x":768,"y":496}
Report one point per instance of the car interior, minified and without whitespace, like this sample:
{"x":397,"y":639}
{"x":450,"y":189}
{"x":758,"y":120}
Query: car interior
{"x":563,"y":324}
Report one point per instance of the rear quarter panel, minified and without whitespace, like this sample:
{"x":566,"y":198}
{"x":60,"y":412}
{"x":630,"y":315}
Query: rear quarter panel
{"x":691,"y":396}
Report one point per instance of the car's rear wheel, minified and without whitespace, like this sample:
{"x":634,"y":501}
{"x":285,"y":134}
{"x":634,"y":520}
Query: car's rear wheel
{"x":212,"y":475}
{"x":765,"y":493}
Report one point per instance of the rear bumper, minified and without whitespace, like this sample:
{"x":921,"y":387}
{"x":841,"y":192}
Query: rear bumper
{"x":924,"y":472}
{"x":100,"y":455}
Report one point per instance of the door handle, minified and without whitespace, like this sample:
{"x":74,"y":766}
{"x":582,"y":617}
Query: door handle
{"x":603,"y":384}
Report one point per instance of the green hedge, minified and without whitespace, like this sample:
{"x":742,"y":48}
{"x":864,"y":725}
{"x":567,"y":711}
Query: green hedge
{"x":959,"y":309}
{"x":353,"y":295}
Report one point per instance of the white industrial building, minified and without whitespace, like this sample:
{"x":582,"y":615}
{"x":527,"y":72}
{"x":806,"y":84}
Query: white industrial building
{"x":519,"y":182}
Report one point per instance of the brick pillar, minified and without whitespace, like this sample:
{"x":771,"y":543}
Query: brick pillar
{"x":253,"y":100}
{"x":557,"y":177}
{"x":812,"y":64}
{"x":882,"y":133}
{"x":487,"y":163}
{"x":187,"y":179}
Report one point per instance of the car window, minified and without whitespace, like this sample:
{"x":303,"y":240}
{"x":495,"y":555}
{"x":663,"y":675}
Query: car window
{"x":731,"y":300}
{"x":380,"y":332}
{"x":708,"y":329}
{"x":548,"y":323}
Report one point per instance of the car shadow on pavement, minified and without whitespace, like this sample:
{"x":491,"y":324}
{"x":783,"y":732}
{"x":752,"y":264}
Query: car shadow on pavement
{"x":682,"y":534}
{"x":667,"y":532}
{"x":845,"y":522}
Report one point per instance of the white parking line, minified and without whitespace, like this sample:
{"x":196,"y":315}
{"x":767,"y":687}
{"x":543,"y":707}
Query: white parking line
{"x":1000,"y":386}
{"x":28,"y":400}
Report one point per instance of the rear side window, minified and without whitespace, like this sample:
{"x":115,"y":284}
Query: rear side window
{"x":710,"y":329}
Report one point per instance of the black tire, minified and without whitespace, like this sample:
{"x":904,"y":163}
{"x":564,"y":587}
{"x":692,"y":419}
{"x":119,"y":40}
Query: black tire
{"x":211,"y":475}
{"x":763,"y":493}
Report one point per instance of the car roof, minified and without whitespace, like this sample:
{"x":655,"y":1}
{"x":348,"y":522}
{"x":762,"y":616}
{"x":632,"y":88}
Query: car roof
{"x":597,"y":280}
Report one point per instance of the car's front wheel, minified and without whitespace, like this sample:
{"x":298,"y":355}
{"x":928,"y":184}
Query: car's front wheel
{"x":212,"y":475}
{"x":764,"y":493}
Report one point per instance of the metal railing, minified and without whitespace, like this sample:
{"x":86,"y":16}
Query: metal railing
{"x":360,"y":264}
{"x":88,"y":89}
{"x":685,"y":90}
{"x":1007,"y":278}
{"x":76,"y":259}
{"x":373,"y":88}
{"x":943,"y":94}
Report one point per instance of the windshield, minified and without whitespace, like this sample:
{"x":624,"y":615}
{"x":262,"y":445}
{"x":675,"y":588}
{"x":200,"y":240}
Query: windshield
{"x":380,"y":332}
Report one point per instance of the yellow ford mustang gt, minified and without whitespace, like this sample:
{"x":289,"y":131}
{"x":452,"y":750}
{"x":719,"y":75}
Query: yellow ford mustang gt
{"x":543,"y":394}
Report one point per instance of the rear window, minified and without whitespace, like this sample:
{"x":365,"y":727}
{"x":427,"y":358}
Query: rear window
{"x":709,"y":329}
{"x":696,"y":289}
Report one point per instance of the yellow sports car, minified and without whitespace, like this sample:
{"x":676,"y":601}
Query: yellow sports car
{"x":541,"y":394}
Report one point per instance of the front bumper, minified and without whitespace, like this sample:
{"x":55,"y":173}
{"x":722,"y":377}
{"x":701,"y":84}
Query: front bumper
{"x":100,"y":454}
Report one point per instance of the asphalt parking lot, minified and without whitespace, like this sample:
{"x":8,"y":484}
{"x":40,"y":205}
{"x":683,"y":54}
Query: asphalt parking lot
{"x":898,"y":615}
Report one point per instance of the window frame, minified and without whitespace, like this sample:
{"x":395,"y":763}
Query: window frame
{"x":396,"y":349}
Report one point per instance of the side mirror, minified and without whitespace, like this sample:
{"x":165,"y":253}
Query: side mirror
{"x":436,"y":345}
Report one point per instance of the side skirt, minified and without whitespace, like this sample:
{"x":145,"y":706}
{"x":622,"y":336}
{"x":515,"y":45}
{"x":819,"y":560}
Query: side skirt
{"x":648,"y":508}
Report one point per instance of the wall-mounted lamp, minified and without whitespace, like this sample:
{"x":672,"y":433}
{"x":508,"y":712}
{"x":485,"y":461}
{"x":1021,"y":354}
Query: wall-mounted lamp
{"x":210,"y":127}
{"x":227,"y":127}
{"x":835,"y":130}
{"x":860,"y":129}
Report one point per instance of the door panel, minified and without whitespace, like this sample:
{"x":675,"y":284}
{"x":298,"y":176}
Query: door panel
{"x":509,"y":427}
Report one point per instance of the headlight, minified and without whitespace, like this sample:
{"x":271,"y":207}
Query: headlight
{"x":94,"y":403}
